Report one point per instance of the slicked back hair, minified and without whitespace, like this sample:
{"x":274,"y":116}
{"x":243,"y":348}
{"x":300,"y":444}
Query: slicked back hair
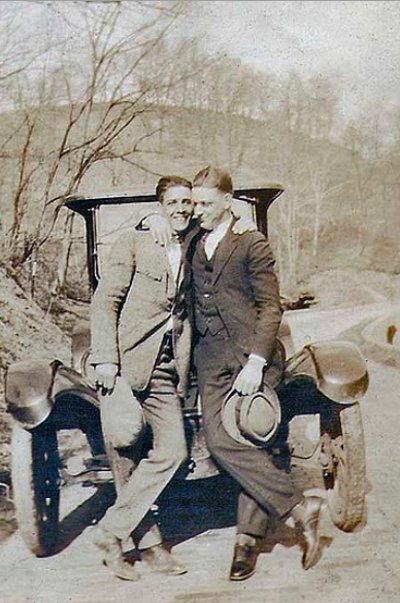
{"x":213,"y":177}
{"x":167,"y":182}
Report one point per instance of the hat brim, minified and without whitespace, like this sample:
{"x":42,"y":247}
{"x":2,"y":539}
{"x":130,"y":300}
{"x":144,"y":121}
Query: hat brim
{"x":230,"y":419}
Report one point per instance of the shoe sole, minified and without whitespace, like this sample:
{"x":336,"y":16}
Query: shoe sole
{"x":315,"y":557}
{"x":168,"y":572}
{"x":175,"y":573}
{"x":313,"y":560}
{"x":241,"y":578}
{"x":133,"y":578}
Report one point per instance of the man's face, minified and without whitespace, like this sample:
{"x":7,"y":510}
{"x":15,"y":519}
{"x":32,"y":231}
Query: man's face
{"x":211,"y":206}
{"x":178,"y":206}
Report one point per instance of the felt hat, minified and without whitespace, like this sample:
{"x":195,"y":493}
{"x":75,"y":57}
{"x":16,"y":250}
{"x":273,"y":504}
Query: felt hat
{"x":122,"y":415}
{"x":252,"y":420}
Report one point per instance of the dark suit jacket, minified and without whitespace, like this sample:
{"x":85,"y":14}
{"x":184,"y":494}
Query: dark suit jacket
{"x":131,"y":307}
{"x":246,"y":293}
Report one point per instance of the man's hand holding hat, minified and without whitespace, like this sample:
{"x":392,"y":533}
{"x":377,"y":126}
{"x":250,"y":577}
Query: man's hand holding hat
{"x":105,"y":376}
{"x":250,"y":377}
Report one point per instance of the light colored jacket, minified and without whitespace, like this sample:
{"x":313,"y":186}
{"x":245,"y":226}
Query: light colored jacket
{"x":134,"y":300}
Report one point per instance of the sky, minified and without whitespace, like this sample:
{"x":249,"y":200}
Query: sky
{"x":356,"y":42}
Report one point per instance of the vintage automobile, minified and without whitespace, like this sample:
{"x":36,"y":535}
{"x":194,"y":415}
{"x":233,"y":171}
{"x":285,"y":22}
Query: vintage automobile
{"x":320,"y":392}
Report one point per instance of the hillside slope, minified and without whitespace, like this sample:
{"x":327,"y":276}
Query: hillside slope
{"x":25,"y":332}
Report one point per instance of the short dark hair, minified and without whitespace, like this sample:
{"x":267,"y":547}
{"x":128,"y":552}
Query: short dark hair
{"x":213,"y":177}
{"x":167,"y":182}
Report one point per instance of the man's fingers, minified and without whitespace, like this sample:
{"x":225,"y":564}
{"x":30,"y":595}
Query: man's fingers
{"x":239,"y":385}
{"x":242,"y":226}
{"x":109,"y":384}
{"x":244,"y":387}
{"x":101,"y":386}
{"x":104,"y":390}
{"x":243,"y":230}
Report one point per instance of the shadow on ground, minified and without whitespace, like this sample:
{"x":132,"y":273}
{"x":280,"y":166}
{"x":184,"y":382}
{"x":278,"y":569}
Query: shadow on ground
{"x":189,"y":507}
{"x":186,"y":509}
{"x":86,"y":514}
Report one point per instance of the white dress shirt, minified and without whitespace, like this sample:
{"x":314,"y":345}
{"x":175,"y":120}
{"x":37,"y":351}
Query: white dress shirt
{"x":174,"y":255}
{"x":214,"y":237}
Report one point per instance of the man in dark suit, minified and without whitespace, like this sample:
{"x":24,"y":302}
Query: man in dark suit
{"x":139,"y":331}
{"x":234,"y":298}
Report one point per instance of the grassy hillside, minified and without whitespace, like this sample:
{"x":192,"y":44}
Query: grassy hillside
{"x":25,"y":333}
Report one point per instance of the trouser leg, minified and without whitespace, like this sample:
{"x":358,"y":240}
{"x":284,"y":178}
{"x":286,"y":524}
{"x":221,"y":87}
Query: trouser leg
{"x":162,"y":408}
{"x":252,"y":467}
{"x":252,"y":519}
{"x":147,"y":534}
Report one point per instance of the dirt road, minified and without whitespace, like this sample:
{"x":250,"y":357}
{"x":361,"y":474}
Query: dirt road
{"x":361,"y":567}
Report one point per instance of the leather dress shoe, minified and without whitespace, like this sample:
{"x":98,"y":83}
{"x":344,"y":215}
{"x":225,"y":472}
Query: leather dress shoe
{"x":113,"y":555}
{"x":162,"y":561}
{"x":311,"y":508}
{"x":243,"y":562}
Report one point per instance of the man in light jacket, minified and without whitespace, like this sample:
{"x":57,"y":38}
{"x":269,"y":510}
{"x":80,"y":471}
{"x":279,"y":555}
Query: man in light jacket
{"x":139,"y":331}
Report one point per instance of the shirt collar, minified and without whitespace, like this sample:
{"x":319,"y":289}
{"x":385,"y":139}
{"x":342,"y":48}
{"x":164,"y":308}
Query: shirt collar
{"x":220,"y":231}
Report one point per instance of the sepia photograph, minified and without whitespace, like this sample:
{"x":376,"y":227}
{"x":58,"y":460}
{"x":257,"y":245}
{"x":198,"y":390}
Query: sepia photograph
{"x":199,"y":301}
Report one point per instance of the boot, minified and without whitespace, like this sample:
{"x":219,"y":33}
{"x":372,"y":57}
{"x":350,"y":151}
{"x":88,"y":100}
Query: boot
{"x":113,"y":555}
{"x":161,"y":560}
{"x":306,"y":516}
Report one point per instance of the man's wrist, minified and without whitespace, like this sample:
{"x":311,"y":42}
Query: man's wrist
{"x":257,"y":360}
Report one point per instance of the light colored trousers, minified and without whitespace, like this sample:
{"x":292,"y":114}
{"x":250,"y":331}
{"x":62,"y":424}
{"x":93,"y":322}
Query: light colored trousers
{"x":163,"y":411}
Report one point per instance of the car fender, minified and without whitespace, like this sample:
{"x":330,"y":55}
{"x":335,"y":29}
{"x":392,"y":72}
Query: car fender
{"x":337,"y":368}
{"x":32,"y":388}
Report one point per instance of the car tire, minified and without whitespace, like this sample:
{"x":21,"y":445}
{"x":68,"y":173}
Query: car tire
{"x":345,"y":473}
{"x":36,"y":486}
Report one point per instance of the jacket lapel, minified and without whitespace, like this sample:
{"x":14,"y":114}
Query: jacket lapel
{"x":224,"y":252}
{"x":188,"y":248}
{"x":183,"y":271}
{"x":189,"y":238}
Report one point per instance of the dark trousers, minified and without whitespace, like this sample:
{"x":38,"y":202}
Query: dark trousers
{"x":266,"y":488}
{"x":163,"y":412}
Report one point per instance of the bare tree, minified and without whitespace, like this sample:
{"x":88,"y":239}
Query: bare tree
{"x":97,"y":107}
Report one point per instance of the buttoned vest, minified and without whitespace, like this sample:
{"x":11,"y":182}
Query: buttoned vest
{"x":207,"y":317}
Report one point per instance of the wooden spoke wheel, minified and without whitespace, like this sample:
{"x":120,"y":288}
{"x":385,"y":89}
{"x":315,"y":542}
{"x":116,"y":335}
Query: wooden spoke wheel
{"x":343,"y":451}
